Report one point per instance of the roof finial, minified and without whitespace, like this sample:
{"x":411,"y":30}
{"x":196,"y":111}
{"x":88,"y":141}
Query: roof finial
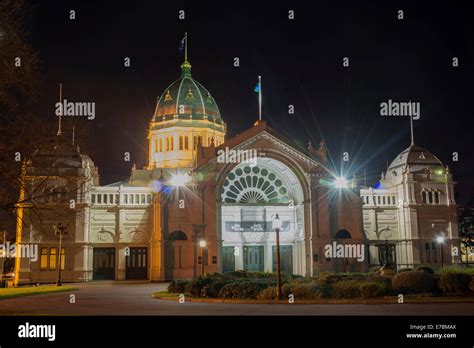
{"x":186,"y":46}
{"x":411,"y":130}
{"x":186,"y":66}
{"x":61,"y":108}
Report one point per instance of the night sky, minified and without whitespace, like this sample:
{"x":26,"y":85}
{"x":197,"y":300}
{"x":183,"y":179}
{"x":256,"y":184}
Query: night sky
{"x":300,"y":62}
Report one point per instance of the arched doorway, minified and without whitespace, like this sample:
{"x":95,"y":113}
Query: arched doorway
{"x":250,"y":197}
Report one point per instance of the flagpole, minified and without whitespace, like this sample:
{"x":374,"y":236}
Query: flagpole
{"x":60,"y":114}
{"x":411,"y":130}
{"x":186,"y":46}
{"x":260,"y":98}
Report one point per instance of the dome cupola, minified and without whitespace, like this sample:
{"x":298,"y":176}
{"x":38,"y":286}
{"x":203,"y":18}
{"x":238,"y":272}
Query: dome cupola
{"x":186,"y":116}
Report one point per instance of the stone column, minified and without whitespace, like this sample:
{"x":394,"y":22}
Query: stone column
{"x":157,"y":243}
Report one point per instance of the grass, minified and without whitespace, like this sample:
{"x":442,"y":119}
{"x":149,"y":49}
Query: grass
{"x":165,"y":294}
{"x":379,"y":300}
{"x":32,"y":290}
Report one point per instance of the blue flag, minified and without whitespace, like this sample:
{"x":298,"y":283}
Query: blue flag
{"x":257,"y":87}
{"x":181,"y":44}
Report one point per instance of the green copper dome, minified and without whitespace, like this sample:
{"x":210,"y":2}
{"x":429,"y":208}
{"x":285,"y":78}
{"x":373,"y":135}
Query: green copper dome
{"x":187,"y":99}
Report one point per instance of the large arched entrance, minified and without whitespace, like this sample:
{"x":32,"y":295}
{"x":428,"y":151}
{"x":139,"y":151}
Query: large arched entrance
{"x":251,"y":195}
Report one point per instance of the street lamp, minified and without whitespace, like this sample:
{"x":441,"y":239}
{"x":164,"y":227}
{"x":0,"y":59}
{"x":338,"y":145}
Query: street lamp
{"x":440,"y":241}
{"x":277,"y":225}
{"x":60,"y":230}
{"x":341,"y":183}
{"x":179,"y":179}
{"x":202,"y":244}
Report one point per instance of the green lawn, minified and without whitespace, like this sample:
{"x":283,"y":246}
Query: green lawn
{"x":32,"y":290}
{"x":379,"y":300}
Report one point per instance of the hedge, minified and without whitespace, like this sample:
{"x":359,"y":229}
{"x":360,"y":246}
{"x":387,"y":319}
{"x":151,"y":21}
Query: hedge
{"x":414,"y":282}
{"x":454,"y":282}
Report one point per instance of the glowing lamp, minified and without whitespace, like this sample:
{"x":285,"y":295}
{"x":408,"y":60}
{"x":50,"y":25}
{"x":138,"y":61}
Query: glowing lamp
{"x":341,"y":183}
{"x":440,"y":239}
{"x":179,"y":179}
{"x":202,"y":243}
{"x":277,"y":222}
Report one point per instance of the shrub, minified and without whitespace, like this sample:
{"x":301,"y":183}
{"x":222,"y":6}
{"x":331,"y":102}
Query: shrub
{"x":426,"y":269}
{"x":212,"y":289}
{"x":267,"y":293}
{"x":375,"y":269}
{"x":347,"y":289}
{"x":327,"y":279}
{"x":178,"y":286}
{"x":238,"y":274}
{"x":245,"y":288}
{"x":454,"y":282}
{"x":301,"y":290}
{"x":195,"y":286}
{"x":373,"y":289}
{"x":471,"y":284}
{"x":414,"y":282}
{"x":401,"y":270}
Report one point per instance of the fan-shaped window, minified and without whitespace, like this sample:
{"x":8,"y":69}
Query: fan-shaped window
{"x":343,"y":234}
{"x":254,"y":185}
{"x":178,"y":235}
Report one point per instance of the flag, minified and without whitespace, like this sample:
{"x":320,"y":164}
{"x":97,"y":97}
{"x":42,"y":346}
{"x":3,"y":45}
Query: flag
{"x":257,"y":87}
{"x":181,"y":44}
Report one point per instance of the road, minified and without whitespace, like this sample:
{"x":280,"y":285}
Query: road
{"x":134,"y":298}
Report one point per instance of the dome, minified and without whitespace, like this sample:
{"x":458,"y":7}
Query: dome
{"x":187,"y":99}
{"x":57,"y":152}
{"x":414,"y":158}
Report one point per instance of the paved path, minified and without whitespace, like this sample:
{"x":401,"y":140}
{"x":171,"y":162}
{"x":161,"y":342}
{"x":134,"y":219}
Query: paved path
{"x":133,"y":298}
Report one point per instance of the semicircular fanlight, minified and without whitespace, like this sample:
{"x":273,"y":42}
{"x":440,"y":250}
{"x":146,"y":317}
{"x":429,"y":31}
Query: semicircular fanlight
{"x":253,"y":185}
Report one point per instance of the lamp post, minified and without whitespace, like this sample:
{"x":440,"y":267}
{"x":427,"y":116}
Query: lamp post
{"x":440,"y":241}
{"x":202,"y":244}
{"x":60,"y":230}
{"x":277,"y":226}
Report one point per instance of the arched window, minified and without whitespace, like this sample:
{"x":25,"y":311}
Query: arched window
{"x":195,"y":142}
{"x":423,"y":196}
{"x":161,"y":145}
{"x":156,"y":145}
{"x":63,"y":194}
{"x":171,"y":143}
{"x":430,"y":197}
{"x":167,"y":143}
{"x":181,"y":145}
{"x":436,"y":195}
{"x":186,"y":143}
{"x":200,"y":141}
{"x":178,"y":235}
{"x":46,"y":194}
{"x":54,"y":194}
{"x":343,"y":234}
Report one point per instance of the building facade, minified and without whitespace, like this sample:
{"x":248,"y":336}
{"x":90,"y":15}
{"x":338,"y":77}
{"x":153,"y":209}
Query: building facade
{"x":199,"y":186}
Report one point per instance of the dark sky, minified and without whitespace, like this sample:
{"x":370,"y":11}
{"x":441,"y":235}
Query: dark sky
{"x":300,"y":62}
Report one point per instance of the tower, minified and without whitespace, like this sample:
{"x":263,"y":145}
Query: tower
{"x":186,"y":116}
